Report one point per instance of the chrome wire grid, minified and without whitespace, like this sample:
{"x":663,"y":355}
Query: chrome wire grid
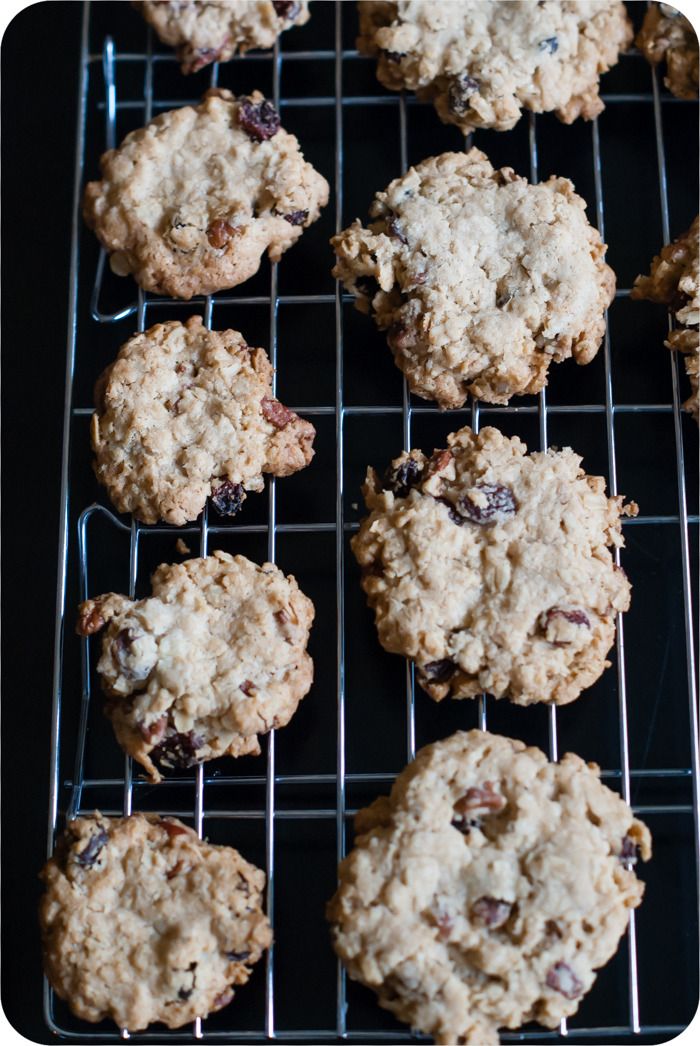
{"x":81,"y":546}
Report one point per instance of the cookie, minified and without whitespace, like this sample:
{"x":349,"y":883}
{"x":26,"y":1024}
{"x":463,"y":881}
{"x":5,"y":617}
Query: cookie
{"x":490,"y":568}
{"x":213,"y":658}
{"x":204,"y":32}
{"x":184,"y":413}
{"x":481,"y":64}
{"x":667,"y":36}
{"x":675,"y":281}
{"x":190,"y":203}
{"x":488,"y":888}
{"x":480,"y":279}
{"x":142,"y":921}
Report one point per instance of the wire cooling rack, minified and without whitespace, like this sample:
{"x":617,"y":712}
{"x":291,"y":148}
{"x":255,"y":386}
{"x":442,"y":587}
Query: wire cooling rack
{"x":289,"y":810}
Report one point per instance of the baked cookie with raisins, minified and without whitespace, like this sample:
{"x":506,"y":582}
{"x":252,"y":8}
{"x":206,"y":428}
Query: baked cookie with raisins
{"x":667,"y":36}
{"x":204,"y":31}
{"x":674,"y":280}
{"x":491,"y":568}
{"x":185,"y":413}
{"x":487,"y":889}
{"x":482,"y":63}
{"x":214,"y":657}
{"x":142,"y":921}
{"x":480,"y":279}
{"x":190,"y":203}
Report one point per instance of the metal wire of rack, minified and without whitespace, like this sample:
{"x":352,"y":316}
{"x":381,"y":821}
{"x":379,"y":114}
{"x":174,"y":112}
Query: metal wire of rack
{"x":67,"y":796}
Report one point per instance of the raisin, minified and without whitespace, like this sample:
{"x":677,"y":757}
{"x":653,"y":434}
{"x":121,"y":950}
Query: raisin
{"x":282,"y":617}
{"x":237,"y":956}
{"x":204,"y":56}
{"x":563,"y":980}
{"x":401,"y":337}
{"x":219,"y":233}
{"x":399,"y":480}
{"x":87,"y":856}
{"x":178,"y":751}
{"x":439,"y":671}
{"x":367,"y":285}
{"x":576,"y":617}
{"x":445,"y":924}
{"x":296,"y":217}
{"x":275,"y":412}
{"x":454,"y":514}
{"x":260,"y":121}
{"x":629,"y":851}
{"x":550,"y":45}
{"x":460,"y":90}
{"x":247,"y":687}
{"x":228,"y":498}
{"x":394,"y":56}
{"x":184,"y":993}
{"x":288,"y":9}
{"x":124,"y":641}
{"x":500,"y":504}
{"x":394,"y":230}
{"x":491,"y":912}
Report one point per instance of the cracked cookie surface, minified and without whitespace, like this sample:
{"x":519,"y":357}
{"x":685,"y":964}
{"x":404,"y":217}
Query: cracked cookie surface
{"x":480,"y":279}
{"x":184,"y":413}
{"x":213,"y":658}
{"x":482,"y":63}
{"x":674,"y":280}
{"x":490,"y":568}
{"x":190,"y":203}
{"x":206,"y":31}
{"x":142,"y":921}
{"x":667,"y":36}
{"x":488,"y":888}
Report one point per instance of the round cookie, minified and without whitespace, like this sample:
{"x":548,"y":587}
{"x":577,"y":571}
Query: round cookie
{"x":487,"y":889}
{"x":142,"y":921}
{"x":189,"y":203}
{"x":667,"y":35}
{"x":204,"y":32}
{"x":674,"y":280}
{"x":480,"y":279}
{"x":481,"y":63}
{"x":490,"y":568}
{"x":213,"y":658}
{"x":184,"y":413}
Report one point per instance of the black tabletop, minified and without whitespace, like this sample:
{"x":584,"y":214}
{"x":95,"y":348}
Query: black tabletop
{"x":40,"y":52}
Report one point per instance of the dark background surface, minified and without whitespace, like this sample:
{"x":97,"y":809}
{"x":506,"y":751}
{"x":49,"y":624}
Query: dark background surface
{"x":40,"y":54}
{"x":39,"y":70}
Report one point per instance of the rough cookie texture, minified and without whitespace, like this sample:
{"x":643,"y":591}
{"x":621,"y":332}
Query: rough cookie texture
{"x":667,"y":35}
{"x":185,"y":412}
{"x":488,"y":888}
{"x":675,"y":281}
{"x":189,"y":203}
{"x":205,"y":32}
{"x":142,"y":921}
{"x":490,"y":568}
{"x":481,"y":279}
{"x":214,"y":657}
{"x":481,"y":63}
